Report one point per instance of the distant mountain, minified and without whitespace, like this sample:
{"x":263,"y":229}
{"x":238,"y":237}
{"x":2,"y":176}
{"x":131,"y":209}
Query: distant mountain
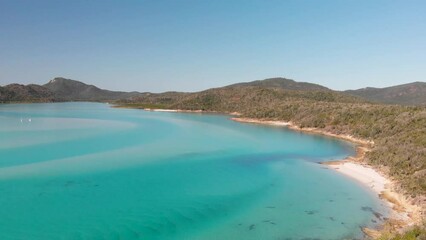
{"x":262,"y":94}
{"x":406,"y":94}
{"x":283,"y":83}
{"x":62,"y":89}
{"x":72,"y":90}
{"x":28,"y":93}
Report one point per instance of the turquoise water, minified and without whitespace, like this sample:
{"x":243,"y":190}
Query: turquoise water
{"x":88,"y":171}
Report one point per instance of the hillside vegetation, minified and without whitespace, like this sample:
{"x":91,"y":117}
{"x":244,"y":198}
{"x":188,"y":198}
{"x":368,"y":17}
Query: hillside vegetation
{"x":60,"y":90}
{"x":71,"y":90}
{"x":21,"y":93}
{"x":405,"y":94}
{"x":283,"y":83}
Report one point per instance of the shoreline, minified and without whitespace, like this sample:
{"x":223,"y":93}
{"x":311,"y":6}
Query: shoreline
{"x":179,"y":110}
{"x":292,"y":126}
{"x":172,"y":110}
{"x":187,"y":111}
{"x":403,"y":214}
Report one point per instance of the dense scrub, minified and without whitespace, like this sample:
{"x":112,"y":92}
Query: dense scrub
{"x":20,"y":93}
{"x":415,"y":233}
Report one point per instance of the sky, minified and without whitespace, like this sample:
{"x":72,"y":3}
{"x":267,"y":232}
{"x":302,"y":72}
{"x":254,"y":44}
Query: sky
{"x":191,"y":45}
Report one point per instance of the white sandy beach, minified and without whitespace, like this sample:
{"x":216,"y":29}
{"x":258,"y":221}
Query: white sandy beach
{"x":363,"y":174}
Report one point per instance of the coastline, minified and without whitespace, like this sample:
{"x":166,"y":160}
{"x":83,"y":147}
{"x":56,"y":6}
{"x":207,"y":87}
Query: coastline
{"x":292,"y":126}
{"x":403,"y":213}
{"x":179,"y":110}
{"x":172,"y":110}
{"x":187,"y":111}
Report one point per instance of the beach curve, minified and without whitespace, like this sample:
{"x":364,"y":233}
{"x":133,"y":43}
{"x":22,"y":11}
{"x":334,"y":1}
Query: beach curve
{"x":403,"y":212}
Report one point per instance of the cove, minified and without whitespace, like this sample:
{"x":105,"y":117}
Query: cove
{"x":88,"y":171}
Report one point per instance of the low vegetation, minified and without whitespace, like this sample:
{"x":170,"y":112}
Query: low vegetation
{"x":415,"y":233}
{"x":405,"y":94}
{"x":19,"y":93}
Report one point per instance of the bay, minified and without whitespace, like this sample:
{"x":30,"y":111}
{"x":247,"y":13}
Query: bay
{"x":89,"y":171}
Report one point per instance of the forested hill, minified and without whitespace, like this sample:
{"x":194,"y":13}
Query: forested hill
{"x":405,"y":94}
{"x":283,"y":83}
{"x":28,"y":93}
{"x":60,"y":90}
{"x":235,"y":98}
{"x":71,"y":90}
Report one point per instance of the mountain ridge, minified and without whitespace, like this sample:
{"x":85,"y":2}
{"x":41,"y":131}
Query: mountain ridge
{"x":25,"y":93}
{"x":279,"y":82}
{"x":405,"y":94}
{"x":73,"y":90}
{"x":63,"y":89}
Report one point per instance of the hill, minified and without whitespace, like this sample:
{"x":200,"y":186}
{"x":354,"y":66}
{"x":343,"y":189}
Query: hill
{"x":62,"y":89}
{"x":283,"y":83}
{"x":230,"y":98}
{"x":406,"y":94}
{"x":28,"y":93}
{"x":72,"y":90}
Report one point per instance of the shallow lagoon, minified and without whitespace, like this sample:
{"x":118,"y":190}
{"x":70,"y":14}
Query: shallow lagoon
{"x":88,"y":171}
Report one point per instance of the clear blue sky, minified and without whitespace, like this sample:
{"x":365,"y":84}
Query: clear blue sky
{"x":191,"y":45}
